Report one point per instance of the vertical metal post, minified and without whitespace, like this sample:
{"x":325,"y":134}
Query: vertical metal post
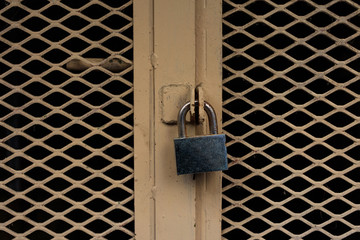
{"x":144,"y":160}
{"x":209,"y":81}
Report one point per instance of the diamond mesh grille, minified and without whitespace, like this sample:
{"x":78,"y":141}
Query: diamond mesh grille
{"x":291,"y":116}
{"x":66,"y":120}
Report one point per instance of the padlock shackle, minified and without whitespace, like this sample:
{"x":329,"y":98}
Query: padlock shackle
{"x":209,"y":111}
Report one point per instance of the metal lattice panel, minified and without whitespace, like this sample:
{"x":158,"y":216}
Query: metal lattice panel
{"x":291,"y":116}
{"x":66,"y":120}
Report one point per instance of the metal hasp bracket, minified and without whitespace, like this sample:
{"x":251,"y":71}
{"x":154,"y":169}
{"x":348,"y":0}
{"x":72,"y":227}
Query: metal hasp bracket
{"x":200,"y":153}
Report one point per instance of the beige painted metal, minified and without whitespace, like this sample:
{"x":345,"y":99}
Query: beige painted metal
{"x":144,"y":120}
{"x":302,"y":162}
{"x":208,"y":78}
{"x":164,"y":36}
{"x":58,"y":177}
{"x":173,"y":97}
{"x":113,"y":64}
{"x":167,"y":48}
{"x":171,"y":206}
{"x":174,"y":48}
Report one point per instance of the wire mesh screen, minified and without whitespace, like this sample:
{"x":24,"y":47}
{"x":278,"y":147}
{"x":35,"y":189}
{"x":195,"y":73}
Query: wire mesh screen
{"x":66,"y":120}
{"x":291,"y":114}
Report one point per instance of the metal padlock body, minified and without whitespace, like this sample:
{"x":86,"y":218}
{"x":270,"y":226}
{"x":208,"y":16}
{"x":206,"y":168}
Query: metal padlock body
{"x":200,"y":153}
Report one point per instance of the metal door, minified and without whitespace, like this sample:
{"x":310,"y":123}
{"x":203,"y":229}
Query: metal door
{"x":86,"y":144}
{"x":291,"y":114}
{"x":66,"y":120}
{"x":81,"y":133}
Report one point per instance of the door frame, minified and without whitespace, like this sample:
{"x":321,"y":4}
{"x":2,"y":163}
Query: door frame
{"x":177,"y":47}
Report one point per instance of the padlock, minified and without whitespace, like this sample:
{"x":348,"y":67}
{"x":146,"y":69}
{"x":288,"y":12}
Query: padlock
{"x":200,"y":153}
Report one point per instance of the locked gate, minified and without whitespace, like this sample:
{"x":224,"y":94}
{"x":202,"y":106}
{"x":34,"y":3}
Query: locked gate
{"x":291,"y":115}
{"x":68,"y":128}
